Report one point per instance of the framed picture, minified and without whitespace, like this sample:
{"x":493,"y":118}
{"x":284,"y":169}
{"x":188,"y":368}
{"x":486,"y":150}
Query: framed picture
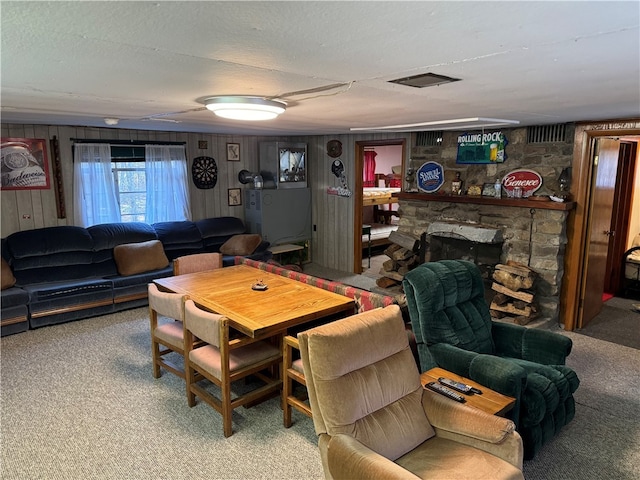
{"x":233,"y":152}
{"x":24,"y":164}
{"x":234,"y":196}
{"x":488,"y":190}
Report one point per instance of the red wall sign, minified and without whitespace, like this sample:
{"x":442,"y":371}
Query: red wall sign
{"x":528,"y":180}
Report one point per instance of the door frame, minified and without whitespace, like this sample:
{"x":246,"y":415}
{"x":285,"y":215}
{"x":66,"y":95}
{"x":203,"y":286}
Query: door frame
{"x":357,"y":214}
{"x":577,"y":226}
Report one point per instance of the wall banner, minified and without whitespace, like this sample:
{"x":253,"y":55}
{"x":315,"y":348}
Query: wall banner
{"x":481,"y":148}
{"x":24,"y":164}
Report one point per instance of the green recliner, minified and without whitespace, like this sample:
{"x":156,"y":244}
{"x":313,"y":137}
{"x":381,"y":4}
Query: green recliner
{"x":453,"y":328}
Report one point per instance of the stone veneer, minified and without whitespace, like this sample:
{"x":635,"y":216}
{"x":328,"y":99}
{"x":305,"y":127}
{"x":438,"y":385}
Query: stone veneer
{"x":532,"y":235}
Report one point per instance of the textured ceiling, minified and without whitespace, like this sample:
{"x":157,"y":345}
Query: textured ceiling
{"x":149,"y":64}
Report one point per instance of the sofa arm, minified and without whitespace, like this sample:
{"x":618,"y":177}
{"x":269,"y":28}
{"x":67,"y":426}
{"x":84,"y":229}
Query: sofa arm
{"x":473,"y":427}
{"x":532,"y":344}
{"x":348,"y":458}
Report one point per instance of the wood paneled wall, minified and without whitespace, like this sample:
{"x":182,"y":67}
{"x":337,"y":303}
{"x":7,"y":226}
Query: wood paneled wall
{"x":332,"y":216}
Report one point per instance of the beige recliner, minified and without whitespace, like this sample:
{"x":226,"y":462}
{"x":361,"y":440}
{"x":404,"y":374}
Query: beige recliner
{"x":375,"y":421}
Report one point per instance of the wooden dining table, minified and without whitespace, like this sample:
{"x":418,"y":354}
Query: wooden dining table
{"x":257,"y":313}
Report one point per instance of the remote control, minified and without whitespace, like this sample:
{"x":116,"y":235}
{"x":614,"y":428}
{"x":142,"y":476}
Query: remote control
{"x":458,"y":386}
{"x":436,"y":387}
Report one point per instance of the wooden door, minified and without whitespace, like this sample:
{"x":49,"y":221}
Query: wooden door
{"x":620,"y":216}
{"x":599,"y":230}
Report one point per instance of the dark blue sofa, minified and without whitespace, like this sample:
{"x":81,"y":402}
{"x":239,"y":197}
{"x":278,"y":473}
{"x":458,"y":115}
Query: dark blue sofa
{"x":67,"y":273}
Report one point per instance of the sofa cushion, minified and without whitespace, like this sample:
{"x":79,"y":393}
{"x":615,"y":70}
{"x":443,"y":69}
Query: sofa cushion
{"x":179,"y":238}
{"x":178,"y":233}
{"x":49,"y":240}
{"x":106,"y":236}
{"x":94,"y":288}
{"x":50,"y":254}
{"x":244,"y":244}
{"x":142,"y":278}
{"x":13,"y":297}
{"x":216,"y":231}
{"x":132,"y":258}
{"x":8,"y":280}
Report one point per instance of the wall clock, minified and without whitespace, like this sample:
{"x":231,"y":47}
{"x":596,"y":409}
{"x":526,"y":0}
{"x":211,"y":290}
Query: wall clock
{"x":204,"y":172}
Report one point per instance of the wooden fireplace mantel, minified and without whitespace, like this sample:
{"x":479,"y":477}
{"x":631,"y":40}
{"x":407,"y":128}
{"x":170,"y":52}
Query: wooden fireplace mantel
{"x":479,"y":200}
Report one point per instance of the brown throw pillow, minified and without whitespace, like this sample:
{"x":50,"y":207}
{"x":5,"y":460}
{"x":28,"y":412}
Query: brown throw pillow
{"x":132,"y":258}
{"x":244,"y":244}
{"x":8,"y":280}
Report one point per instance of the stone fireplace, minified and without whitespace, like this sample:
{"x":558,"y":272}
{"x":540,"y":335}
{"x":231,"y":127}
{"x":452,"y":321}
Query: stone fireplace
{"x":475,"y":243}
{"x":494,"y":231}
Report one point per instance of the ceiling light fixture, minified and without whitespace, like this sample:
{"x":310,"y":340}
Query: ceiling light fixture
{"x":455,"y":124}
{"x":245,"y":108}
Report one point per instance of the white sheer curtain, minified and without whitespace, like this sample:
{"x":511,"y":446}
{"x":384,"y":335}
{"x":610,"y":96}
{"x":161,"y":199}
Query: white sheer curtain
{"x":94,"y":195}
{"x":167,"y":183}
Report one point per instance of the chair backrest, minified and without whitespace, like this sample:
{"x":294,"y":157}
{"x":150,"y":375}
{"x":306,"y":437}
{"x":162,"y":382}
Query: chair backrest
{"x":197,"y":262}
{"x":363,"y":381}
{"x":165,"y":303}
{"x":204,"y":325}
{"x":447,"y":305}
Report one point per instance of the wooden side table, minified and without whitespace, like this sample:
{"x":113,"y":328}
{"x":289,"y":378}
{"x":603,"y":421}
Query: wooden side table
{"x":289,"y":247}
{"x":489,"y":401}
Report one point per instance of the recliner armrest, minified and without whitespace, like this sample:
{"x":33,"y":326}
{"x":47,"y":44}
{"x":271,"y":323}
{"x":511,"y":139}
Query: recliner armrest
{"x":348,"y":458}
{"x":532,"y":344}
{"x":471,"y":422}
{"x":495,"y":372}
{"x":473,"y":427}
{"x":499,"y":374}
{"x":452,"y":358}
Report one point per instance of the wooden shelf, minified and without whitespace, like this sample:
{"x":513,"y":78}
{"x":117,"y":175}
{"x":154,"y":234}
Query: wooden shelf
{"x":478,"y":200}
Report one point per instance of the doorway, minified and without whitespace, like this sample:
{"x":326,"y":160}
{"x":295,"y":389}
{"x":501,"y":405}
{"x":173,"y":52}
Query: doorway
{"x":389,"y":153}
{"x":603,"y":190}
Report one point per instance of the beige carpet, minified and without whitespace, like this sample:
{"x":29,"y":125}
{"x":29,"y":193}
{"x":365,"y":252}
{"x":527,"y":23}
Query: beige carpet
{"x":78,"y":401}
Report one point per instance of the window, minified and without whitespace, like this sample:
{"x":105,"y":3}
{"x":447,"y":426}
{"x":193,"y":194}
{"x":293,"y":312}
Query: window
{"x":114,"y":183}
{"x":130,"y":184}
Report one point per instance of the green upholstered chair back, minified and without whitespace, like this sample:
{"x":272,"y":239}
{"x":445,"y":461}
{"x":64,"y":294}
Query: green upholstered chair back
{"x":447,"y":305}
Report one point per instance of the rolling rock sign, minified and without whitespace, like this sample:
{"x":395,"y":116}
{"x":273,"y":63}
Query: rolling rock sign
{"x":481,"y":148}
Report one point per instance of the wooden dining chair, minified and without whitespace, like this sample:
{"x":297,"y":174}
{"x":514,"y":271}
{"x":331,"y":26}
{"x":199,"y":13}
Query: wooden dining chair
{"x":166,"y":337}
{"x":292,"y":371}
{"x":225,"y":357}
{"x":198,"y":262}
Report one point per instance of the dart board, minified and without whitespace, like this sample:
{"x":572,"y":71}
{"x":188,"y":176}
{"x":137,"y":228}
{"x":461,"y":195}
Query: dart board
{"x":204,"y":172}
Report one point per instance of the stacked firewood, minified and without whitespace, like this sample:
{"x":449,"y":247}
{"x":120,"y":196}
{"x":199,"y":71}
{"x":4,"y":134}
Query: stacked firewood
{"x":513,"y":301}
{"x":403,"y":257}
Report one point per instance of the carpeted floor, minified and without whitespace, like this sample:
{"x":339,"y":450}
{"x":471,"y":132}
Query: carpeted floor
{"x":78,"y":401}
{"x":618,"y":322}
